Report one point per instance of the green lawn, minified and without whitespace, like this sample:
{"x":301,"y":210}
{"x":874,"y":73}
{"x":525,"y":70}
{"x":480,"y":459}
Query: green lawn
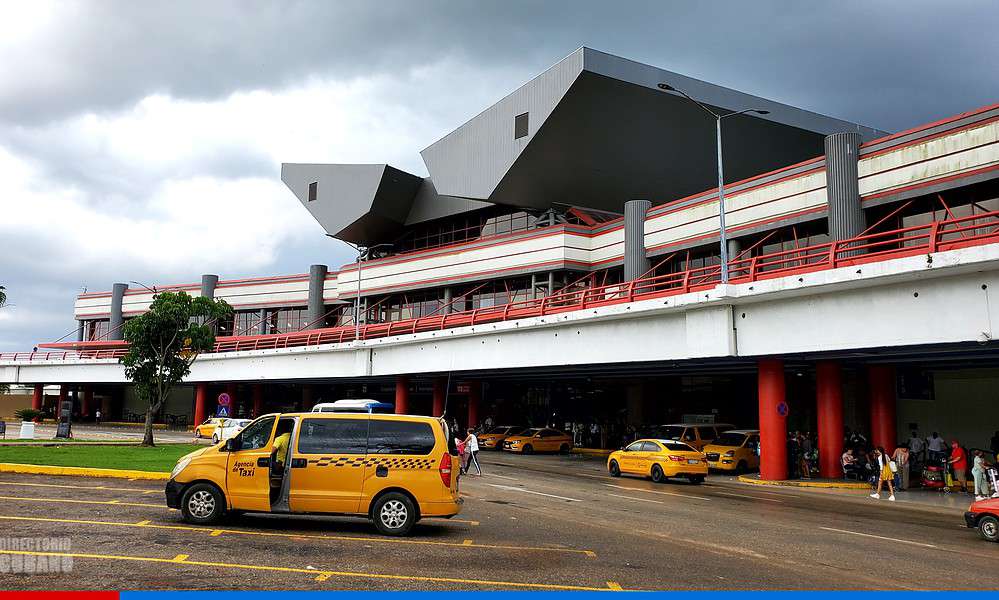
{"x":159,"y":458}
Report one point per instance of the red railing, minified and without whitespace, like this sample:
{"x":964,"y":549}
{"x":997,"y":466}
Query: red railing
{"x":909,"y":241}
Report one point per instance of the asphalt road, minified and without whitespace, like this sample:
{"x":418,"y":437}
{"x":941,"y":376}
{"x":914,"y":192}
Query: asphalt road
{"x":531,"y":523}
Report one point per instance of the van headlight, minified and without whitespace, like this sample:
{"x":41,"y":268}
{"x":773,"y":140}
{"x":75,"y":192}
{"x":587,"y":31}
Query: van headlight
{"x":730,"y":453}
{"x":181,"y":465}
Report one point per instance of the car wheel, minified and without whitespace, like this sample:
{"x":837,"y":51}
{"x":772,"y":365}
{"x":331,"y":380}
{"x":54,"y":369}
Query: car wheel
{"x":657,"y":474}
{"x":528,"y":449}
{"x":563,"y":449}
{"x":696,"y":479}
{"x":202,"y":503}
{"x":614,"y":469}
{"x":394,"y":514}
{"x":197,"y":434}
{"x":215,"y":438}
{"x":988,"y":526}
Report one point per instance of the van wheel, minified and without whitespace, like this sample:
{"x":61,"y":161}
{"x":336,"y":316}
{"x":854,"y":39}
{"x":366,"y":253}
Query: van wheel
{"x":528,"y":449}
{"x":988,"y":526}
{"x":696,"y":479}
{"x":202,"y":504}
{"x":614,"y":469}
{"x":657,"y":474}
{"x":394,"y":514}
{"x":563,"y":449}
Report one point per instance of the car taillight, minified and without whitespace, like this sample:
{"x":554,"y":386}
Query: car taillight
{"x":445,"y":470}
{"x":675,"y":458}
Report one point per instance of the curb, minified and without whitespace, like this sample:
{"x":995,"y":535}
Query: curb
{"x":843,"y":485}
{"x":592,"y":451}
{"x":82,"y":471}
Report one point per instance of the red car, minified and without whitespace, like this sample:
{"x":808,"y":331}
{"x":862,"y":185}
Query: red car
{"x":984,"y":515}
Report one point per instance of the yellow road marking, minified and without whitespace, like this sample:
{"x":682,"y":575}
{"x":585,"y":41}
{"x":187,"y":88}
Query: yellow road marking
{"x":614,"y":585}
{"x":465,"y":521}
{"x":80,"y":487}
{"x":183,"y":559}
{"x":346,"y":538}
{"x":101,"y":502}
{"x":322,"y":577}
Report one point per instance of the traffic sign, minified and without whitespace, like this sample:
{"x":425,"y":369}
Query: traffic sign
{"x":782,"y":409}
{"x":223,"y":411}
{"x":224,"y":399}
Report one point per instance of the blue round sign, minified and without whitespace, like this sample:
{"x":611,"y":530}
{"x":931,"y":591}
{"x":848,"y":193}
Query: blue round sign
{"x":782,"y":409}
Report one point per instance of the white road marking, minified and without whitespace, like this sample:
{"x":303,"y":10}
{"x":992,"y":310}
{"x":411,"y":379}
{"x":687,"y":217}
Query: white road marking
{"x":594,"y":476}
{"x":526,"y":491}
{"x":502,"y":477}
{"x":633,"y":489}
{"x":633,"y":498}
{"x":749,"y":496}
{"x":879,"y":537}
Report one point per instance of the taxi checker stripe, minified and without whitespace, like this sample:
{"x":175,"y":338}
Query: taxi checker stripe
{"x":397,"y":463}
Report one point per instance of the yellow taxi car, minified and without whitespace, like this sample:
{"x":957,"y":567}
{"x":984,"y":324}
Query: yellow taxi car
{"x":393,"y":469}
{"x":660,"y":460}
{"x":539,"y":439}
{"x":493,"y":439}
{"x":734,"y":450}
{"x":208,"y":428}
{"x":697,"y":435}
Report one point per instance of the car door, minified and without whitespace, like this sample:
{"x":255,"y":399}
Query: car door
{"x":646,"y":458}
{"x":248,"y":466}
{"x":630,"y":458}
{"x":327,"y":464}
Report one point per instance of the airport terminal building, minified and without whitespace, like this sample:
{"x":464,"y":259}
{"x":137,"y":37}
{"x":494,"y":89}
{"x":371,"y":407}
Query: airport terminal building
{"x":562,"y":264}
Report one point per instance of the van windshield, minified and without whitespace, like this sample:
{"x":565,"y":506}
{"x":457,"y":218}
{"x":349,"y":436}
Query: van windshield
{"x":671,"y":432}
{"x":730,"y":439}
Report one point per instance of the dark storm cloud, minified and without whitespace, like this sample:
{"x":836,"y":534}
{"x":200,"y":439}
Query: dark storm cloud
{"x":887,"y":64}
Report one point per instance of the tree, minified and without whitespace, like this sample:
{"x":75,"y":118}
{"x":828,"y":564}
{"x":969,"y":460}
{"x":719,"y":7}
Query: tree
{"x":164,"y":342}
{"x":3,"y":296}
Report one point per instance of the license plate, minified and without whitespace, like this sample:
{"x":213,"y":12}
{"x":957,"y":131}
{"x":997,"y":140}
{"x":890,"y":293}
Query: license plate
{"x":692,"y":461}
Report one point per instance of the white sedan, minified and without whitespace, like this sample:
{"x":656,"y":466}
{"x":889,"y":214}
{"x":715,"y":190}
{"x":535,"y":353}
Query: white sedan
{"x":228,"y":428}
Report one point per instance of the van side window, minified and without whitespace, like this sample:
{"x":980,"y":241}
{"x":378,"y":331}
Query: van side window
{"x":333,"y":436}
{"x":256,"y":435}
{"x":400,"y":437}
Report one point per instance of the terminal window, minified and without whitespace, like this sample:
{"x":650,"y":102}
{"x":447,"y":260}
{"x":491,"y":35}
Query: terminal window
{"x":520,"y":126}
{"x":313,"y":191}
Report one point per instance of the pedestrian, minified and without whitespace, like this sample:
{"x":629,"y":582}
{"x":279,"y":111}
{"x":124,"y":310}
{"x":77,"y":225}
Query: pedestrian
{"x":959,"y":462}
{"x":937,"y":447}
{"x":97,"y":416}
{"x":916,"y":447}
{"x":993,"y":473}
{"x":472,"y":444}
{"x":805,"y":450}
{"x":978,"y":473}
{"x":488,"y":423}
{"x":462,"y":454}
{"x":885,"y":474}
{"x":901,"y":458}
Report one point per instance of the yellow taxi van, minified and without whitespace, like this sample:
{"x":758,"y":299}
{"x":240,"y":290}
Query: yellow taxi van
{"x":697,"y":435}
{"x":392,"y":469}
{"x":734,"y":450}
{"x":660,"y":460}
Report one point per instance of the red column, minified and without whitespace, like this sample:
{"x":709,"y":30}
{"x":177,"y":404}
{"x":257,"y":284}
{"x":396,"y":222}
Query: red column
{"x":63,"y":395}
{"x":401,"y":395}
{"x":881,"y":385}
{"x":88,"y":399}
{"x":829,"y":414}
{"x":200,"y":400}
{"x":258,"y":400}
{"x":773,"y":420}
{"x":440,"y":384}
{"x":36,"y":396}
{"x":474,"y":398}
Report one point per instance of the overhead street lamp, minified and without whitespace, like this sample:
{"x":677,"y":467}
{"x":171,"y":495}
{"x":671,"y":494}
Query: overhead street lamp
{"x":722,"y":234}
{"x":363,"y":253}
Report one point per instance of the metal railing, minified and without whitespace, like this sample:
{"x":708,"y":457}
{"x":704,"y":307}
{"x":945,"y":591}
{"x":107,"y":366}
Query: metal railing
{"x":937,"y":236}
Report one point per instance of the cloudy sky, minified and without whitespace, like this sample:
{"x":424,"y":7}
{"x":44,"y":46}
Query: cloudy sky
{"x":143,"y":140}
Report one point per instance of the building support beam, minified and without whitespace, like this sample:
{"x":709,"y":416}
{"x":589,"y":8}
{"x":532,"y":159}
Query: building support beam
{"x":402,"y":394}
{"x":117,"y":316}
{"x":37,"y":395}
{"x":258,"y":400}
{"x":636,"y":263}
{"x":200,"y":403}
{"x":773,"y":420}
{"x":440,"y":393}
{"x":88,"y":401}
{"x":881,"y":386}
{"x":306,"y":402}
{"x":63,"y":395}
{"x":829,"y":417}
{"x":208,"y":285}
{"x":474,"y":402}
{"x":316,"y":306}
{"x":846,"y":216}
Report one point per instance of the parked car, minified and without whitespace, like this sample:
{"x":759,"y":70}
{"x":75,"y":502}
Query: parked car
{"x":697,"y":435}
{"x":984,"y":516}
{"x":539,"y":439}
{"x":494,"y":438}
{"x":734,"y":450}
{"x":207,"y":429}
{"x":228,"y":428}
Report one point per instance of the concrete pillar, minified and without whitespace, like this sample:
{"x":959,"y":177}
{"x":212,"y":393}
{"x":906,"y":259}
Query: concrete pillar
{"x":200,"y":403}
{"x":88,"y":401}
{"x":635,"y":261}
{"x":440,"y":392}
{"x":551,"y":283}
{"x":447,"y":309}
{"x":401,"y":395}
{"x":117,"y":319}
{"x":208,"y":284}
{"x":258,"y":399}
{"x":881,"y":386}
{"x":36,"y":396}
{"x":773,"y":420}
{"x":263,"y":327}
{"x":81,"y":328}
{"x":474,"y":401}
{"x":829,"y":417}
{"x":317,"y":306}
{"x":846,"y":216}
{"x":63,"y":395}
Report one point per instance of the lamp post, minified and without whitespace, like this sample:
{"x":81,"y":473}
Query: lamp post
{"x":363,"y":253}
{"x":722,"y":234}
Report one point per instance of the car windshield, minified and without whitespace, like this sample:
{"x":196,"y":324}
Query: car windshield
{"x":671,"y":432}
{"x":676,"y":446}
{"x":530,"y":432}
{"x":730,"y":439}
